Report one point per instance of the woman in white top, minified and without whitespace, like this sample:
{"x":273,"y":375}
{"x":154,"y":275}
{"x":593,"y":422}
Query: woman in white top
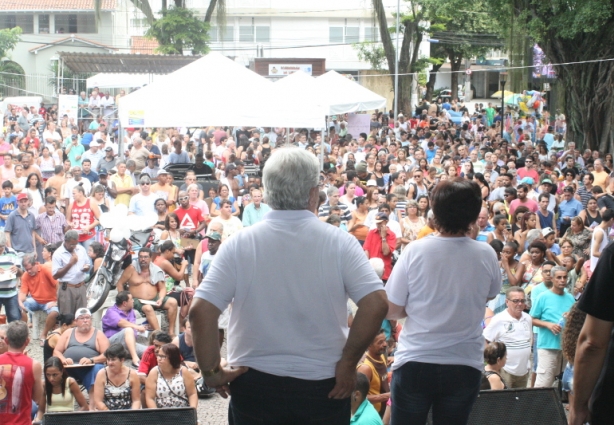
{"x":170,"y":384}
{"x":349,"y":195}
{"x":46,"y":164}
{"x":34,"y":188}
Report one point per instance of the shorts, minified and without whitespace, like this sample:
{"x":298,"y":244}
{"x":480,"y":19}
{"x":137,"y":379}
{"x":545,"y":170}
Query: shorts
{"x":32,"y":305}
{"x":138,"y":305}
{"x":535,"y":359}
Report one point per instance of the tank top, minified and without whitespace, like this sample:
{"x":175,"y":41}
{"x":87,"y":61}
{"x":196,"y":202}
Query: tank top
{"x":592,"y":222}
{"x":16,"y":383}
{"x":187,"y":352}
{"x":117,"y":397}
{"x":486,"y":383}
{"x":379,"y":379}
{"x":77,"y":350}
{"x":545,"y":221}
{"x":83,"y":216}
{"x":47,"y":349}
{"x":168,"y":279}
{"x":62,"y":402}
{"x":171,"y":393}
{"x":604,"y":242}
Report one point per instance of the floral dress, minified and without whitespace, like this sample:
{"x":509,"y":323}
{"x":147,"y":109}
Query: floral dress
{"x":171,"y":393}
{"x":581,"y":241}
{"x":411,"y":229}
{"x":530,"y":279}
{"x":117,"y":397}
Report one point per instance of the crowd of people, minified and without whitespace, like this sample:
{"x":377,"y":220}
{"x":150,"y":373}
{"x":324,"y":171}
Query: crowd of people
{"x":528,"y":218}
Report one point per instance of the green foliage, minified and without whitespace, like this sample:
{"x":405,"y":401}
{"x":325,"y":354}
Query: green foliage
{"x":179,"y":31}
{"x":8,"y":40}
{"x":371,"y":53}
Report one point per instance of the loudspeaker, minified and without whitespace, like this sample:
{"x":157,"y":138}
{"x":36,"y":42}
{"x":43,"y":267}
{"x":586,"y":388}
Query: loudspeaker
{"x":531,"y":406}
{"x":174,"y":416}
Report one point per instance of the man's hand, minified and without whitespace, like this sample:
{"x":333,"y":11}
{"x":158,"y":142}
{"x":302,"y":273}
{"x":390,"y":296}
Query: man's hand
{"x":345,"y":376}
{"x":221,"y":380}
{"x":578,"y":415}
{"x":140,"y":328}
{"x":159,"y":302}
{"x":85,"y":360}
{"x":73,"y":259}
{"x":135,"y":190}
{"x":554,"y":328}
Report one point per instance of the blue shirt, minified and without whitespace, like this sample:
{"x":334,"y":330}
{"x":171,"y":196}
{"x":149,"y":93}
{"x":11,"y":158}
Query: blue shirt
{"x":92,"y":177}
{"x":7,"y":206}
{"x":549,"y":139}
{"x":366,"y":415}
{"x":569,"y":209}
{"x":483,"y":234}
{"x":550,"y":307}
{"x":87,"y":138}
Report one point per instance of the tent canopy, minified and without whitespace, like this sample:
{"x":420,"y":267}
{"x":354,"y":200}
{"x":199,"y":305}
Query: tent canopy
{"x":343,"y":95}
{"x":109,"y":81}
{"x":215,"y":90}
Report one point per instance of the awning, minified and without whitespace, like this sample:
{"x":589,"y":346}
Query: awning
{"x":124,"y":63}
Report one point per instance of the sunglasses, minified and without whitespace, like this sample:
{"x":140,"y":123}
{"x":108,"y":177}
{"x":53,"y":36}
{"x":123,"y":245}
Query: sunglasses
{"x":145,"y":184}
{"x":183,"y":198}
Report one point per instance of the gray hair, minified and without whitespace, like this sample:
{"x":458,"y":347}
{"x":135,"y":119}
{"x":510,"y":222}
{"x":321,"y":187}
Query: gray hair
{"x":145,"y":179}
{"x":332,"y":190}
{"x":71,"y":235}
{"x":2,"y":239}
{"x":513,"y":289}
{"x":17,"y":334}
{"x":533,"y":235}
{"x":130,"y":163}
{"x":288,"y":176}
{"x":29,"y":258}
{"x":216,"y":223}
{"x":558,"y":269}
{"x":378,"y":266}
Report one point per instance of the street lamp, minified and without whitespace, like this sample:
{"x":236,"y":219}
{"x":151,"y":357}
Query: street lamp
{"x":502,"y":80}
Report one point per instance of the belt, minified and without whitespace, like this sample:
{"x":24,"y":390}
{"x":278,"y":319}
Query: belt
{"x":78,"y":285}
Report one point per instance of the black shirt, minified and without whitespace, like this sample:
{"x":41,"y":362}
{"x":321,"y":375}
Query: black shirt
{"x":598,"y":301}
{"x":605,"y":201}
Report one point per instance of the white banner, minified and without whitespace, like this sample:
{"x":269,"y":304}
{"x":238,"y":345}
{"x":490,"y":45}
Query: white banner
{"x":278,"y":70}
{"x":68,"y":104}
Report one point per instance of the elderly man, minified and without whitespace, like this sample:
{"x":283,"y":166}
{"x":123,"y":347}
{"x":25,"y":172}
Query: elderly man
{"x":146,"y":283}
{"x":119,"y":325}
{"x":143,"y":203}
{"x":39,"y":292}
{"x":94,"y":155}
{"x":254,"y":212}
{"x":83,"y":345}
{"x":321,"y":364}
{"x":70,"y":265}
{"x":139,"y":155}
{"x":10,"y":271}
{"x":485,"y":227}
{"x":21,"y":374}
{"x":123,"y":185}
{"x":19,"y":228}
{"x":333,"y":199}
{"x":513,"y":328}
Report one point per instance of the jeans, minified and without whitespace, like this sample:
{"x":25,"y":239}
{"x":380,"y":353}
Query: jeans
{"x":450,"y":390}
{"x":11,"y":307}
{"x":261,"y":398}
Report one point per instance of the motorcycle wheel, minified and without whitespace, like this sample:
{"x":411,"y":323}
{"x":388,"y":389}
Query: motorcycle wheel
{"x":97,"y":292}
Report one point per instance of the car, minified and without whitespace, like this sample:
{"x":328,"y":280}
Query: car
{"x":446,"y":94}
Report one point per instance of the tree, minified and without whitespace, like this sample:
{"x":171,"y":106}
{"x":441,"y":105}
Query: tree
{"x":574,"y":31}
{"x":178,"y":31}
{"x":371,"y":53}
{"x":8,"y":40}
{"x":438,"y":55}
{"x":11,"y":73}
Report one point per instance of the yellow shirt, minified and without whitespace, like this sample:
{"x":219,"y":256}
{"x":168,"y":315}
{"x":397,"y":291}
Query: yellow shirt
{"x":600,"y":179}
{"x":122,"y":183}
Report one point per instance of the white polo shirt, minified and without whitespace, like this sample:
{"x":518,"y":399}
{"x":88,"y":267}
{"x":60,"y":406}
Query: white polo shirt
{"x":517,"y":336}
{"x":290,"y":276}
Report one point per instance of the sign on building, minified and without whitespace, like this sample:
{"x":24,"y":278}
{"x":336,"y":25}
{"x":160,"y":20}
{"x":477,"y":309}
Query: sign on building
{"x":278,"y":69}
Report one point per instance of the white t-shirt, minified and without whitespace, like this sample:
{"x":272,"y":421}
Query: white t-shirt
{"x":141,"y":204}
{"x":289,"y":315}
{"x":517,"y":336}
{"x":444,"y":305}
{"x":231,"y":226}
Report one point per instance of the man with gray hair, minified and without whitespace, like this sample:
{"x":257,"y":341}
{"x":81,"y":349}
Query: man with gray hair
{"x":298,"y":261}
{"x":333,"y":200}
{"x":10,"y":271}
{"x":139,"y":155}
{"x":143,"y":203}
{"x":70,"y":264}
{"x":20,"y":382}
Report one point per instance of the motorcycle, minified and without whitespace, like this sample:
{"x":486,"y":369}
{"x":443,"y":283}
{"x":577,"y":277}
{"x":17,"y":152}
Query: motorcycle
{"x":127,"y":235}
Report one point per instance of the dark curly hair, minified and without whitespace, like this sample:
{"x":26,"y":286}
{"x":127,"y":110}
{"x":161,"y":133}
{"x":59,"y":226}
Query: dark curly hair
{"x":571,"y":332}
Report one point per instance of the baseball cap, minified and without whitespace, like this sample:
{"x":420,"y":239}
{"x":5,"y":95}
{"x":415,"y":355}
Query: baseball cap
{"x":22,"y":196}
{"x":527,"y":180}
{"x":231,"y":166}
{"x":546,"y":181}
{"x":547,"y":231}
{"x":74,"y":136}
{"x":371,"y":183}
{"x":108,"y":148}
{"x":381,"y":216}
{"x":103,"y":172}
{"x":82,"y":312}
{"x":361,"y":167}
{"x":214,"y":236}
{"x":163,"y":172}
{"x":94,"y":144}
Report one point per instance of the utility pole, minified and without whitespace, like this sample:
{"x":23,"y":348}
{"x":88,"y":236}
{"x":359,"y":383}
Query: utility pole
{"x":396,"y":64}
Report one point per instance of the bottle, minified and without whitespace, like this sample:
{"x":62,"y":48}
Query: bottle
{"x":561,"y":322}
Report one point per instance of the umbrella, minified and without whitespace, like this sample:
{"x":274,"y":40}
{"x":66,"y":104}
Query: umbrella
{"x":513,"y":99}
{"x":497,"y":95}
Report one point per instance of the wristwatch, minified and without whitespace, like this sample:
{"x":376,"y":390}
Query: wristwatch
{"x":211,"y":372}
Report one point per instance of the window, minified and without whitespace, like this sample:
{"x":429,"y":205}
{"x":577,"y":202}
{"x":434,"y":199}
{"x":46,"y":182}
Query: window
{"x":263,"y":34}
{"x":139,"y":23}
{"x":228,"y":34}
{"x":25,"y":22}
{"x":371,"y":34}
{"x":213,"y":36}
{"x":43,"y":24}
{"x":335,"y":34}
{"x":352,"y":34}
{"x":82,"y":23}
{"x":246,"y":34}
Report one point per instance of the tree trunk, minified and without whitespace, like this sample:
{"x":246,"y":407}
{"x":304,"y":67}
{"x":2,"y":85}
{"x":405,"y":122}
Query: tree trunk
{"x":456,"y":60}
{"x":210,"y":10}
{"x":430,"y":85}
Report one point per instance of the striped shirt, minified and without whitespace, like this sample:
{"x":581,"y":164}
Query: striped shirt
{"x":584,"y":195}
{"x":324,"y":211}
{"x":51,"y":227}
{"x":8,"y":259}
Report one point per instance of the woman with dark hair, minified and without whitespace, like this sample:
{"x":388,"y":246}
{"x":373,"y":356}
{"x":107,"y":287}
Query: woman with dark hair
{"x":484,"y":187}
{"x":495,"y":356}
{"x":533,"y":267}
{"x":573,"y":325}
{"x":66,"y":321}
{"x":117,"y":387}
{"x":34,"y":188}
{"x":171,"y":232}
{"x":423,"y":205}
{"x":446,"y":347}
{"x":96,"y":254}
{"x":170,"y":384}
{"x":60,"y":392}
{"x":162,"y":210}
{"x":528,"y":222}
{"x":591,"y":215}
{"x":580,"y":236}
{"x":356,"y":225}
{"x":224,"y":193}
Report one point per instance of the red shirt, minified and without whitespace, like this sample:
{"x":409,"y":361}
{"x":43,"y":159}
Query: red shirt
{"x":83,"y":217}
{"x":16,"y":385}
{"x":525,"y":172}
{"x":190,"y":218}
{"x":373,"y":245}
{"x":33,"y":141}
{"x":149,"y":360}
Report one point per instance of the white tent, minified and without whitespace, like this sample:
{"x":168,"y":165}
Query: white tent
{"x":343,"y":95}
{"x":215,"y":90}
{"x":107,"y":81}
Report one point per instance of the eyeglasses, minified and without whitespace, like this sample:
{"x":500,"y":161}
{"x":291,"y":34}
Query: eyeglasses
{"x":183,"y":198}
{"x":522,"y":301}
{"x":546,"y":271}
